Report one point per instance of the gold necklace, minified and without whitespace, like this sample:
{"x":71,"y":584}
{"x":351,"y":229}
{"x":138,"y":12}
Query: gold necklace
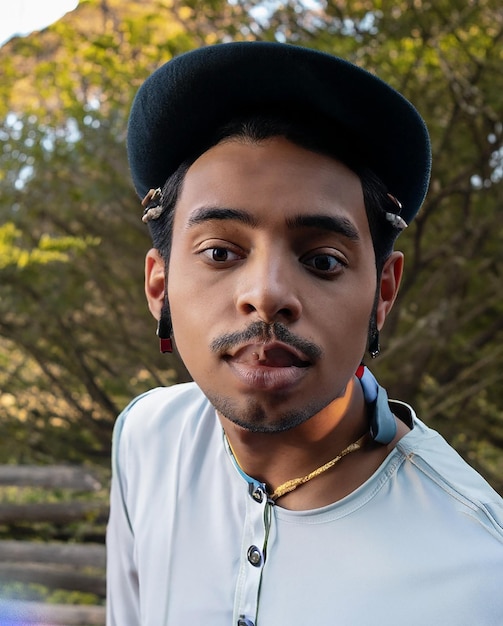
{"x":291,"y":485}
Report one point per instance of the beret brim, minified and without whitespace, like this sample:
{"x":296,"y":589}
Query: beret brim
{"x":182,"y":103}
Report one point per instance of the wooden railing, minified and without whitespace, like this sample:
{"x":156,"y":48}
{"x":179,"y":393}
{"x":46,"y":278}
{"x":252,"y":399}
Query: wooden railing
{"x":55,"y":564}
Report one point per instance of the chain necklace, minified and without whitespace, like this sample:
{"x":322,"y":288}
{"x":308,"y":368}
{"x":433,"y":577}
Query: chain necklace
{"x":291,"y":485}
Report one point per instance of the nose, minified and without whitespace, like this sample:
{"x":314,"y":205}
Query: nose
{"x":268,"y":288}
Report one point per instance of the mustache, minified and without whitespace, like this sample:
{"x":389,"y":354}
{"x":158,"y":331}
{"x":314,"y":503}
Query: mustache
{"x":260,"y":331}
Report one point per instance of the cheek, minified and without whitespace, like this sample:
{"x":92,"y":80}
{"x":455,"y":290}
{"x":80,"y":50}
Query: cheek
{"x":193,"y":311}
{"x":182,"y":300}
{"x":347,"y":317}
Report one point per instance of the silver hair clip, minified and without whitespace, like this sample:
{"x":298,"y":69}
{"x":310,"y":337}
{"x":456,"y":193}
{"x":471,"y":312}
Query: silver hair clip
{"x":397,"y":222}
{"x":152,"y":205}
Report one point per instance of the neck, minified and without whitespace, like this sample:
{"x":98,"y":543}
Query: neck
{"x":274,"y":458}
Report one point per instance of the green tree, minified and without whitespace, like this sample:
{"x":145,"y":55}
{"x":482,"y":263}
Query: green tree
{"x":77,"y":343}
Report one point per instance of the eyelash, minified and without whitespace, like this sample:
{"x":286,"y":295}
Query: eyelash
{"x":209,"y":253}
{"x":337,"y":263}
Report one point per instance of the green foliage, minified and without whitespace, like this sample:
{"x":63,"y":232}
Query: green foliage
{"x":18,"y":258}
{"x":76,"y":342}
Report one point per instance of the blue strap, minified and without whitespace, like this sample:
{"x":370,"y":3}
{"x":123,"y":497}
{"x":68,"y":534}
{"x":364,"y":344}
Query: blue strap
{"x":382,"y":420}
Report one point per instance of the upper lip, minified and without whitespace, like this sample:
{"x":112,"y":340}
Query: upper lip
{"x":274,"y":352}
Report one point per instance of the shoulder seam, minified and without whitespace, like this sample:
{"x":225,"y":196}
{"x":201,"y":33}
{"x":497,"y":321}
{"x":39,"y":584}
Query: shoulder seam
{"x":473,"y":505}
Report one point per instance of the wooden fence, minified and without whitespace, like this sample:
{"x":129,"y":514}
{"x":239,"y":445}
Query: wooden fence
{"x":55,"y":564}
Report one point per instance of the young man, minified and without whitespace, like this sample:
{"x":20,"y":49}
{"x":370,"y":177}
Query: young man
{"x":282,"y":487}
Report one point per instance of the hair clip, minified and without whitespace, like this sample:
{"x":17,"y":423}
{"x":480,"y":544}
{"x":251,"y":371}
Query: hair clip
{"x":398,"y":222}
{"x":152,"y":205}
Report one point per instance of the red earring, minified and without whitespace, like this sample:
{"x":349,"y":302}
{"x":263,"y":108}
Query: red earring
{"x":164,"y":334}
{"x":165,"y":345}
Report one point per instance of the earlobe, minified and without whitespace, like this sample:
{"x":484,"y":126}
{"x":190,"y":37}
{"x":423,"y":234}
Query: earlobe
{"x":155,"y":282}
{"x":390,"y":282}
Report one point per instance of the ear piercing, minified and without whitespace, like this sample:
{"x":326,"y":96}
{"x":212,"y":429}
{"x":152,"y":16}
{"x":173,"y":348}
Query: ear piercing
{"x":164,"y":334}
{"x":374,"y":347}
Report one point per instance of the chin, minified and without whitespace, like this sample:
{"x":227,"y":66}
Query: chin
{"x":254,"y":417}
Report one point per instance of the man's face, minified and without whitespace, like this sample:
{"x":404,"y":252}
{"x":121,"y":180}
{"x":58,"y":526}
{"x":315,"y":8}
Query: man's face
{"x":271,"y":280}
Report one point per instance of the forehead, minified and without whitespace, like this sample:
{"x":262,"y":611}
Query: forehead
{"x":272,"y":180}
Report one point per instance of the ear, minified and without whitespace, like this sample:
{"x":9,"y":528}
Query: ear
{"x":155,"y":282}
{"x":390,"y":282}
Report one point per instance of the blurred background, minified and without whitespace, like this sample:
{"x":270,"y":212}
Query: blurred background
{"x":76,"y":339}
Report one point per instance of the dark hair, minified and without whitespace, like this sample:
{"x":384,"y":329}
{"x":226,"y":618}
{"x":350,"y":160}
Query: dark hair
{"x":311,"y":135}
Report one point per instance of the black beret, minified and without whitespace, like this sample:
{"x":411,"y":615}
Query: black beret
{"x":180,"y":106}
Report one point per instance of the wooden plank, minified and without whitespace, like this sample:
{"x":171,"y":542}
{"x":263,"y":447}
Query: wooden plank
{"x":78,"y":555}
{"x":54,"y":577}
{"x":21,"y":612}
{"x":56,"y":512}
{"x":50,"y":476}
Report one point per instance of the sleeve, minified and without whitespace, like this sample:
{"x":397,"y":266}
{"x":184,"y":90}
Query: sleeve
{"x":123,"y":603}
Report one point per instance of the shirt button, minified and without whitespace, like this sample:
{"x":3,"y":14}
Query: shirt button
{"x":254,"y":556}
{"x":257,"y":494}
{"x":243,"y":621}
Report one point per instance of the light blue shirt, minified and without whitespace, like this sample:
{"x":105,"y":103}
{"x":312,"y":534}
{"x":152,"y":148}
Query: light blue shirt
{"x":191,"y":540}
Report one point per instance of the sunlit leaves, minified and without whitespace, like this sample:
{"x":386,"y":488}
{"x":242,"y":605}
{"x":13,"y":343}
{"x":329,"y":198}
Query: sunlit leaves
{"x":48,"y":250}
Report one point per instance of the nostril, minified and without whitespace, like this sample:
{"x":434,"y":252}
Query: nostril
{"x":286,"y":312}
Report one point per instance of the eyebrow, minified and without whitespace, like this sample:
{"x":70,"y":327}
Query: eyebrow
{"x":330,"y":223}
{"x":206,"y":214}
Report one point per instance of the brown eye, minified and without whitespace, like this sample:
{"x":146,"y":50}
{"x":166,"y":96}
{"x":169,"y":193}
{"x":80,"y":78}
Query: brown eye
{"x":325,"y":263}
{"x":219,"y":254}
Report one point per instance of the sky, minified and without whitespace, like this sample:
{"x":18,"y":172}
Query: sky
{"x":21,"y":17}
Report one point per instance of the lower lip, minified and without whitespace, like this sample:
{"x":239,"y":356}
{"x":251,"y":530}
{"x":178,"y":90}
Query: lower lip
{"x":265,"y":378}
